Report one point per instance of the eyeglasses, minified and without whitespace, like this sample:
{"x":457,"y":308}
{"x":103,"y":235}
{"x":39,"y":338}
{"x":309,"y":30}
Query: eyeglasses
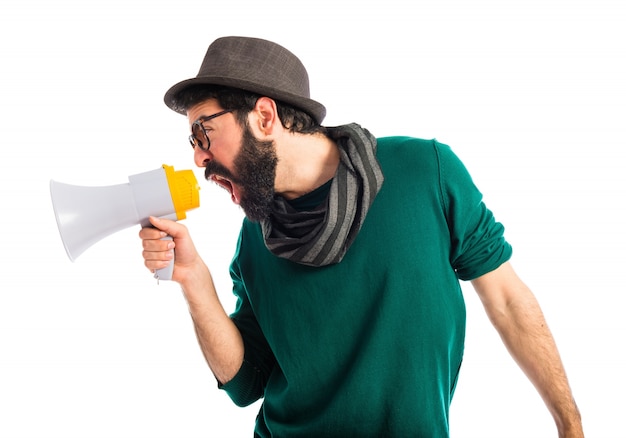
{"x":199,"y":135}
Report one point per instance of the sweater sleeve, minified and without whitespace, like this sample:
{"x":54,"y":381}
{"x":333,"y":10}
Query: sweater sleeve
{"x":249,"y":383}
{"x":477,"y":242}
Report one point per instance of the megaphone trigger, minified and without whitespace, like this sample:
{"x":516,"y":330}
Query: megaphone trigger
{"x":85,"y":215}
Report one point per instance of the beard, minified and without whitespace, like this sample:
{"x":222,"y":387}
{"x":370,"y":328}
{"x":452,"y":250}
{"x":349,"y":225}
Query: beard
{"x":255,"y":166}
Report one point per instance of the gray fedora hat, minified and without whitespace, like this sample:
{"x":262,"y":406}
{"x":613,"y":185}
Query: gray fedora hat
{"x":256,"y":65}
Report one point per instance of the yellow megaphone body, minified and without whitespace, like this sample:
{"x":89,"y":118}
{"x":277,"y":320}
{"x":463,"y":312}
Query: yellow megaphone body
{"x":85,"y":215}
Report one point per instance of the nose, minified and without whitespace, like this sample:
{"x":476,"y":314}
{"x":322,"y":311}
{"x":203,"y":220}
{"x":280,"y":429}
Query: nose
{"x":201,"y":157}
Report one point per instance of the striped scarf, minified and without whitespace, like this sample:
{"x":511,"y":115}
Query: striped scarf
{"x":322,"y":236}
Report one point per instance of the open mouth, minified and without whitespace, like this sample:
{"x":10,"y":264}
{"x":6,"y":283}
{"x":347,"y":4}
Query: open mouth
{"x":228,"y":186}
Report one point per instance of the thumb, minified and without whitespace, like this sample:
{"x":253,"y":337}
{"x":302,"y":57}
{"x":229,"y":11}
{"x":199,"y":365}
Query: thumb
{"x":166,"y":225}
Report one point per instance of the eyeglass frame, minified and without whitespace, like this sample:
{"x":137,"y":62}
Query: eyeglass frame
{"x":199,"y":123}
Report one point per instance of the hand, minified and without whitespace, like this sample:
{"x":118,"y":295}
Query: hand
{"x":159,"y":253}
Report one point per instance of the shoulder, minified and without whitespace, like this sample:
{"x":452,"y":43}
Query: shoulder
{"x":419,"y":154}
{"x":401,"y":143}
{"x":412,"y":146}
{"x":409,"y":153}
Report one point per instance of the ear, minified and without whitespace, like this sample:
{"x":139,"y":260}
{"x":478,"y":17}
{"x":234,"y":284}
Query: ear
{"x":265,"y":115}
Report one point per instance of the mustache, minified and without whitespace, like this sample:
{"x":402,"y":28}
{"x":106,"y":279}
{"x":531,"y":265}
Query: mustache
{"x":215,"y":168}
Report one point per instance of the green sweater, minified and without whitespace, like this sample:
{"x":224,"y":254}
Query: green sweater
{"x":372,"y":346}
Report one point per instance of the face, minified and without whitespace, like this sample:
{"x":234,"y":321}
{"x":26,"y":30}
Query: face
{"x":240,"y":163}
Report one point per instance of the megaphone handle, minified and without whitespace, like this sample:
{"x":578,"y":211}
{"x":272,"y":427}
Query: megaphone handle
{"x":165,"y":273}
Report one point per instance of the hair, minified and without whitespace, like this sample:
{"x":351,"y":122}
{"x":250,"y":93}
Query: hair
{"x":241,"y":102}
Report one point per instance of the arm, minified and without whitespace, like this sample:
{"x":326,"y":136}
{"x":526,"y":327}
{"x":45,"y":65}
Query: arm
{"x":219,"y":338}
{"x":516,"y":315}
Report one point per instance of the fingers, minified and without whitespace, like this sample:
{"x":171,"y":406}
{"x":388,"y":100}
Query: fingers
{"x":158,"y":244}
{"x":157,"y":252}
{"x":161,"y":228}
{"x":168,"y":226}
{"x":151,"y":233}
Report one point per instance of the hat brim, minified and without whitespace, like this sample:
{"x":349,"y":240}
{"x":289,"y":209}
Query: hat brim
{"x":310,"y":106}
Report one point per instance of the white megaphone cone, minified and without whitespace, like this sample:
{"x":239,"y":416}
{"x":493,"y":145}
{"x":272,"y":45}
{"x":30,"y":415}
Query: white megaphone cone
{"x":86,"y":215}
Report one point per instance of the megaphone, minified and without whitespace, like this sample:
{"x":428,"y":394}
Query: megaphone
{"x":86,"y":215}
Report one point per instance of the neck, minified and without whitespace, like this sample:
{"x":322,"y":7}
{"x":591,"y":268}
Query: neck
{"x":305,"y":162}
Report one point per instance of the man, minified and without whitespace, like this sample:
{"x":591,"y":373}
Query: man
{"x":350,"y":319}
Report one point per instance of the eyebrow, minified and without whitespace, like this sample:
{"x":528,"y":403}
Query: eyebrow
{"x":201,"y":119}
{"x":204,"y":118}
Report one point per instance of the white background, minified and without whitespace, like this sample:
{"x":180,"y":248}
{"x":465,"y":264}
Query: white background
{"x":530,"y":94}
